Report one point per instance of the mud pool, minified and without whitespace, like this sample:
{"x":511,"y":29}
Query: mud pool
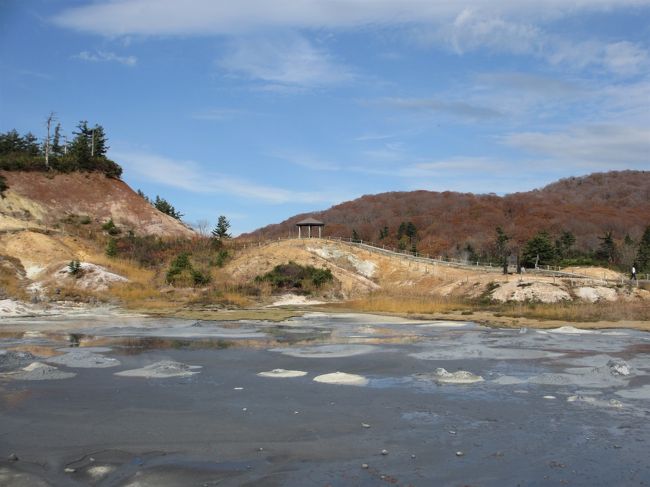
{"x":325,"y":399}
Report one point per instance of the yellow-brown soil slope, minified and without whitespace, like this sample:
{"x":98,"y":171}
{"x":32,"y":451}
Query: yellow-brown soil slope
{"x":39,"y":200}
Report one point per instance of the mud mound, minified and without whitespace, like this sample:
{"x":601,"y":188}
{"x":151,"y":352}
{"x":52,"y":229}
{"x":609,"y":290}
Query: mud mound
{"x":341,"y":378}
{"x":84,"y":359}
{"x":10,"y":360}
{"x":442,"y":376}
{"x":40,"y":371}
{"x":283,"y":374}
{"x":161,"y":370}
{"x":543,"y":292}
{"x":92,"y":277}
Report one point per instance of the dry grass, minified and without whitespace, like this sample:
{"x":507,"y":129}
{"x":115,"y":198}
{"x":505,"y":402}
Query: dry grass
{"x":405,"y":304}
{"x":130,"y":269}
{"x":10,"y":284}
{"x":571,"y":312}
{"x":580,"y":311}
{"x":70,"y":292}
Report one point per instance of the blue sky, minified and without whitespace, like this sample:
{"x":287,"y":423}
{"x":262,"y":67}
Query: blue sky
{"x":261,"y":109}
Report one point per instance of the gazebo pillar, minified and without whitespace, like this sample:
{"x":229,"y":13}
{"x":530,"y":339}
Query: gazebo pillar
{"x":309,"y":223}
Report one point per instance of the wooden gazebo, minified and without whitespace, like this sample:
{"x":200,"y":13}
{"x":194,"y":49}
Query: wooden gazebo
{"x":309,"y":223}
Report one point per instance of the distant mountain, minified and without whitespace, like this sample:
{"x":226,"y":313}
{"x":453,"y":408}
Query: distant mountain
{"x":588,"y":206}
{"x":42,"y":200}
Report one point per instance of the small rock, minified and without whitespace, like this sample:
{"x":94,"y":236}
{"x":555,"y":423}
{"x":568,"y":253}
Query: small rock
{"x":382,"y":477}
{"x":364,"y":465}
{"x":365,"y":425}
{"x":13,"y":457}
{"x":412,"y":457}
{"x":260,"y":449}
{"x":296,"y":412}
{"x":451,"y":432}
{"x":617,"y":446}
{"x":384,"y":452}
{"x":69,"y":470}
{"x":460,"y":454}
{"x":244,"y":409}
{"x":238,"y":388}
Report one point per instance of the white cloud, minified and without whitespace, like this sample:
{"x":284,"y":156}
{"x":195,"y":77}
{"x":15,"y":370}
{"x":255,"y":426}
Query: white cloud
{"x":190,"y":176}
{"x":290,"y":61}
{"x":619,"y":58}
{"x":453,"y":165}
{"x":106,"y":56}
{"x":472,"y":30}
{"x":210,"y":17}
{"x":512,"y":26}
{"x":589,"y":145}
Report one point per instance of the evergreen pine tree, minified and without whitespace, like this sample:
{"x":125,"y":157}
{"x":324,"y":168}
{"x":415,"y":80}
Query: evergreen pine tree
{"x":80,"y":146}
{"x":502,"y":250}
{"x":607,"y":249}
{"x":539,"y":249}
{"x":643,"y":255}
{"x":220,"y":232}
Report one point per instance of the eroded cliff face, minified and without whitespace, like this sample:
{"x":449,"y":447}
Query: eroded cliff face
{"x":40,"y":201}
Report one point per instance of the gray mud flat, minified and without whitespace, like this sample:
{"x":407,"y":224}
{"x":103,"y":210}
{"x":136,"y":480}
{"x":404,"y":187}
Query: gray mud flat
{"x":552,"y":408}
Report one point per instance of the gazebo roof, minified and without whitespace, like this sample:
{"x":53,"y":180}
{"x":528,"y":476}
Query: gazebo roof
{"x":307,"y":222}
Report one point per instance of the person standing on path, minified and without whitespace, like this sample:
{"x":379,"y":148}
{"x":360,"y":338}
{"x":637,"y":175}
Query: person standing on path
{"x":633,"y":275}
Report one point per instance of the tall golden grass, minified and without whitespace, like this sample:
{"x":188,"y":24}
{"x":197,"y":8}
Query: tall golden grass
{"x":404,"y":304}
{"x":575,"y":311}
{"x":579,"y":311}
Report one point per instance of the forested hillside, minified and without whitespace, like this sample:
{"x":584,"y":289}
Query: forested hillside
{"x":599,"y":217}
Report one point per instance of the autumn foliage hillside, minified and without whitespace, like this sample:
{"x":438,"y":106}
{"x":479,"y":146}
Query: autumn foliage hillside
{"x":448,"y":222}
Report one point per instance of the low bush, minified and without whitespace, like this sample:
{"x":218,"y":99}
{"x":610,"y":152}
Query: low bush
{"x":295,"y":276}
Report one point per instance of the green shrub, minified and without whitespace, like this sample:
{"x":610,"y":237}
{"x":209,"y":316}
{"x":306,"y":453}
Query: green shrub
{"x":182,"y":272}
{"x":3,"y":186}
{"x":199,"y":278}
{"x":111,"y":228}
{"x":74,"y":268}
{"x":111,"y":247}
{"x":221,"y":258}
{"x":296,"y":276}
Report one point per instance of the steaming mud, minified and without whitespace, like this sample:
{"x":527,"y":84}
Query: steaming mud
{"x":342,"y":378}
{"x":590,"y":393}
{"x":283,"y":373}
{"x":162,"y":370}
{"x":442,"y":376}
{"x":40,"y":371}
{"x":327,"y":351}
{"x":84,"y":359}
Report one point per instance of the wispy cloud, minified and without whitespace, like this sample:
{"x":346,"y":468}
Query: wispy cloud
{"x":106,"y":56}
{"x":589,"y":145}
{"x":287,"y":61}
{"x":516,"y":27}
{"x":476,"y":29}
{"x":216,"y":17}
{"x":190,"y":176}
{"x":459,"y":109}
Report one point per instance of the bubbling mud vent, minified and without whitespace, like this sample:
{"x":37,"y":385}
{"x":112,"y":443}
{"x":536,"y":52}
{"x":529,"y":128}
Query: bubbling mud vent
{"x":321,"y":399}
